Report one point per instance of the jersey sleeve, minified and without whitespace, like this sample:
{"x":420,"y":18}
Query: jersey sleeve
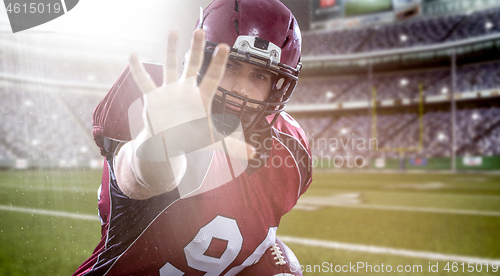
{"x":294,"y":139}
{"x":111,"y":116}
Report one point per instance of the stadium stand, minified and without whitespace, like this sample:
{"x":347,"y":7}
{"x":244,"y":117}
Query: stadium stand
{"x":394,"y":85}
{"x":38,"y":126}
{"x":478,"y":132}
{"x":414,"y":32}
{"x":46,"y":110}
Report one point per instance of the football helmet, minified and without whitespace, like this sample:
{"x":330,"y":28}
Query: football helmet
{"x":263,"y":33}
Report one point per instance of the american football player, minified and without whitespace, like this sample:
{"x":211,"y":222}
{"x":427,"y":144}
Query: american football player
{"x":197,"y":210}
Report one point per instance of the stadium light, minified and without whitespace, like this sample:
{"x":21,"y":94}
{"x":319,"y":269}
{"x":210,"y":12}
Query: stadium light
{"x":403,"y":82}
{"x":329,"y":95}
{"x":444,"y":90}
{"x":403,"y":38}
{"x":343,"y":131}
{"x":475,"y":116}
{"x":488,"y":25}
{"x":441,"y":137}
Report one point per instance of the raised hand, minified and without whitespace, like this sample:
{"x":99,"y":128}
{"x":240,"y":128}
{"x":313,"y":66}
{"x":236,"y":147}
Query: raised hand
{"x":179,"y":101}
{"x":177,"y":115}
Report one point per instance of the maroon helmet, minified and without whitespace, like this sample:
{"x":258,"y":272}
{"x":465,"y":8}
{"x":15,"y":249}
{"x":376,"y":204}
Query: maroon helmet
{"x":263,"y":33}
{"x":269,"y":37}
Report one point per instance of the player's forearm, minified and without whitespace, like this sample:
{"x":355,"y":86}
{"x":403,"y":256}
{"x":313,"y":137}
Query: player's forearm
{"x":140,"y":178}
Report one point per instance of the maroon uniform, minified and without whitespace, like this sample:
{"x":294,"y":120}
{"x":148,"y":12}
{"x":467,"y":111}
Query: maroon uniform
{"x":205,"y":227}
{"x":217,"y":232}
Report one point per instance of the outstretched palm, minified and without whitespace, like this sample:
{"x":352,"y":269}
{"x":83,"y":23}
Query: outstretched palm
{"x":180,"y":109}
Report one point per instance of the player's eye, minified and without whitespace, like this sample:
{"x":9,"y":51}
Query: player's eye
{"x":231,"y":68}
{"x":260,"y":76}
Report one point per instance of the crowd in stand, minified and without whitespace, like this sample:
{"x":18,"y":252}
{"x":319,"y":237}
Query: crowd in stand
{"x":398,"y":85}
{"x":43,"y":126}
{"x":477,"y":134}
{"x":55,"y":123}
{"x":419,"y":31}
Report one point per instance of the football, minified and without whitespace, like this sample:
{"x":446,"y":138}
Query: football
{"x":278,"y":260}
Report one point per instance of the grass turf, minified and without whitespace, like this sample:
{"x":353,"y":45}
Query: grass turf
{"x":35,"y":244}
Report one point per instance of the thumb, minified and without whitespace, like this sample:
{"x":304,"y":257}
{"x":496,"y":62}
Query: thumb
{"x":235,"y":146}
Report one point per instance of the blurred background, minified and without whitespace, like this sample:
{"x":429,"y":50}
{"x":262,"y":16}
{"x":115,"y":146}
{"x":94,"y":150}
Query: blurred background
{"x":399,"y":100}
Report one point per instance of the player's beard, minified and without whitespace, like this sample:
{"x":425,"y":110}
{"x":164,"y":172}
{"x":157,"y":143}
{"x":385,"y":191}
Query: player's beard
{"x":261,"y":140}
{"x":227,"y":121}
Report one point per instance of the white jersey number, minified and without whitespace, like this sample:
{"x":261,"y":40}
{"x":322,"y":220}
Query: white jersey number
{"x":199,"y":245}
{"x":224,"y":229}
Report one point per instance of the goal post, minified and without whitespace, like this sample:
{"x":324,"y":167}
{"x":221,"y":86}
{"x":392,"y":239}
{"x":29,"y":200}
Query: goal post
{"x":420,"y":112}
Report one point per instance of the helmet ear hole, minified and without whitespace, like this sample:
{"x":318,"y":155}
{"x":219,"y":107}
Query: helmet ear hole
{"x":279,"y":89}
{"x":279,"y":83}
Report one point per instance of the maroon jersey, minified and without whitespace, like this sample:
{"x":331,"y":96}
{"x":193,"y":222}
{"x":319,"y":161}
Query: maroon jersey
{"x":219,"y":231}
{"x":210,"y":230}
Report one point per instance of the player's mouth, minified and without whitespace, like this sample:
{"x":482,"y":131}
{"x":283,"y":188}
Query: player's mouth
{"x":234,"y":105}
{"x":240,"y":104}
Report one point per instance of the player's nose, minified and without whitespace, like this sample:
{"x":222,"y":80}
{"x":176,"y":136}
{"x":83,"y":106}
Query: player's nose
{"x":240,"y":86}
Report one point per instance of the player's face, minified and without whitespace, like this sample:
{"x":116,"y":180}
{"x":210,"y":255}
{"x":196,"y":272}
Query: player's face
{"x":247,"y":80}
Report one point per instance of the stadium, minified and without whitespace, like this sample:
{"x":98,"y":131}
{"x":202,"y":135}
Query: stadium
{"x":399,"y":99}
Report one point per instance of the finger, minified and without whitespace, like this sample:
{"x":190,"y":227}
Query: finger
{"x":214,"y":73}
{"x":140,"y":75}
{"x":170,"y":73}
{"x":195,"y":54}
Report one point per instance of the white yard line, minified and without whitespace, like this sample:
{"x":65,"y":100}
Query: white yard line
{"x":303,"y":204}
{"x":48,"y":213}
{"x":308,"y":242}
{"x":428,"y":210}
{"x":387,"y":251}
{"x":49,"y":188}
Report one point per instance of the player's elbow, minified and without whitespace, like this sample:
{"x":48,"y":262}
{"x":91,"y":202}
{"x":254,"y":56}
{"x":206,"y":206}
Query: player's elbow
{"x":143,"y":182}
{"x":141,"y":179}
{"x":161,"y":176}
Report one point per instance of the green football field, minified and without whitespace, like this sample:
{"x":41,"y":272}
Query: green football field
{"x":359,"y":223}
